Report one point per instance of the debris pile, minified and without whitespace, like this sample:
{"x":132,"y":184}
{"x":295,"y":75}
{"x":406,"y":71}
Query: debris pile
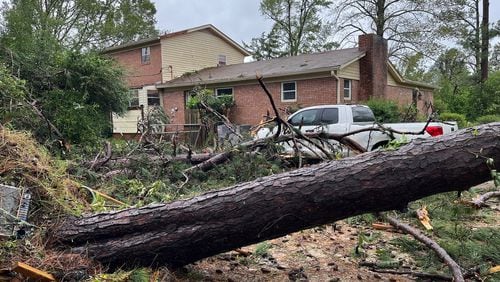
{"x":31,"y":179}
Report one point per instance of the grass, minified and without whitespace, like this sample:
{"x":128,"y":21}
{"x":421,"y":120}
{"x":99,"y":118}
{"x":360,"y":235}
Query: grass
{"x":262,"y":249}
{"x":470,"y":236}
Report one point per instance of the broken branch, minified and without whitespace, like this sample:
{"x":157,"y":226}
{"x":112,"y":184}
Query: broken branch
{"x":481,"y":200}
{"x":454,"y":267}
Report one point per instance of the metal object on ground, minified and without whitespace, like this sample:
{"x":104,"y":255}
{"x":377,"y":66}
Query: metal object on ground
{"x":14,"y":207}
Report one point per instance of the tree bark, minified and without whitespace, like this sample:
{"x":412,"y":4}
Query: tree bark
{"x":485,"y":40}
{"x":184,"y":231}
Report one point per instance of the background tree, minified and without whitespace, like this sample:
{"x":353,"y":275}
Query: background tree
{"x":68,"y":85}
{"x":406,"y":24}
{"x":466,"y":22}
{"x":298,"y":28}
{"x":82,"y":23}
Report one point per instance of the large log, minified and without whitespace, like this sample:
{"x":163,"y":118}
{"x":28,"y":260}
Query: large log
{"x":182,"y":232}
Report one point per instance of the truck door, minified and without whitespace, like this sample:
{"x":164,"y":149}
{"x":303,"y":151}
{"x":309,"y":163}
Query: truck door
{"x":330,"y":121}
{"x":307,"y":120}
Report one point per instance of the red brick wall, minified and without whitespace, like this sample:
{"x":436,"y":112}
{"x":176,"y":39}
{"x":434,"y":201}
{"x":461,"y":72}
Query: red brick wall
{"x":403,"y":96}
{"x":173,"y":104}
{"x":373,"y":66}
{"x":251,"y":103}
{"x":138,"y":74}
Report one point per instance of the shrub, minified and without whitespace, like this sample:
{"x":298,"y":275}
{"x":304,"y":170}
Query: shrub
{"x":488,"y":119}
{"x":384,"y":110}
{"x":459,"y":118}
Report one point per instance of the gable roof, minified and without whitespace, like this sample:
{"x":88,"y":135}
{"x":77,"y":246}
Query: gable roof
{"x":400,"y":79}
{"x":294,"y":65}
{"x":156,"y":39}
{"x":133,"y":44}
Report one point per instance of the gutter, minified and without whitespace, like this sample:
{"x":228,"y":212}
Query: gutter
{"x":334,"y":74}
{"x":195,"y":80}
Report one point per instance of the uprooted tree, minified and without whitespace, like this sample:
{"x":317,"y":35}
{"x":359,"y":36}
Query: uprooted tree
{"x":184,"y":231}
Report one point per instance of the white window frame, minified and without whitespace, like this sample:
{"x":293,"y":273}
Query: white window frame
{"x":134,"y":96}
{"x":348,"y":89}
{"x":145,"y":55}
{"x":153,"y":93}
{"x":288,"y":91}
{"x":217,"y":90}
{"x":221,"y":60}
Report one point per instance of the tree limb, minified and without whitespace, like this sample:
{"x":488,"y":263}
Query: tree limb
{"x":454,"y":267}
{"x":481,"y":200}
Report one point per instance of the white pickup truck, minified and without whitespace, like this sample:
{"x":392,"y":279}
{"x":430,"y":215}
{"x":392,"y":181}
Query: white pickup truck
{"x":347,"y":118}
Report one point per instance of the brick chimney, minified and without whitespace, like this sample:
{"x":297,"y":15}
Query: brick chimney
{"x":373,"y":66}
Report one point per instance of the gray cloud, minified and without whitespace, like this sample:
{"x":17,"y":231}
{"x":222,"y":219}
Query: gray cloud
{"x":239,"y":19}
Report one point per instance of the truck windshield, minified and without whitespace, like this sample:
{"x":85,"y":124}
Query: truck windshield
{"x":362,"y":114}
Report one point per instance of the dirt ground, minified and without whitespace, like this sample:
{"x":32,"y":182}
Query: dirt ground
{"x":326,"y":253}
{"x":319,"y":254}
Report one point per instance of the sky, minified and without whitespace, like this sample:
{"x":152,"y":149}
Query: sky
{"x":239,"y":19}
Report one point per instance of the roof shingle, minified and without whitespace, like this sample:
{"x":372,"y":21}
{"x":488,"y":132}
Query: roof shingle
{"x":306,"y":63}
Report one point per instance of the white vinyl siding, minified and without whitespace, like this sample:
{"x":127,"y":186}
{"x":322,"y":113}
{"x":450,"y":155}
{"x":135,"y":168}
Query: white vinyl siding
{"x":128,"y":122}
{"x":351,"y":71}
{"x":390,"y":80}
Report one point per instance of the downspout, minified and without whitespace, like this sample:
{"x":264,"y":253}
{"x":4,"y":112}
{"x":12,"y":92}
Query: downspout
{"x":334,"y":74}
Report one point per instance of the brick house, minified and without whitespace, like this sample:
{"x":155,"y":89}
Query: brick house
{"x":156,"y":60}
{"x":334,"y":77}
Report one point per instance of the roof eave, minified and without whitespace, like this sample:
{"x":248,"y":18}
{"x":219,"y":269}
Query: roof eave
{"x":132,"y":45}
{"x":352,"y":61}
{"x":240,"y":79}
{"x":404,"y":81}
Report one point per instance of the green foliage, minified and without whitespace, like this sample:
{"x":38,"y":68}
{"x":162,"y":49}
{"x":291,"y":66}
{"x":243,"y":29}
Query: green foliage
{"x":367,"y":218}
{"x":297,"y":28}
{"x":262,"y":249}
{"x":149,"y":182}
{"x":455,"y":97}
{"x":12,"y":94}
{"x":384,"y":110}
{"x":140,"y":275}
{"x":78,"y":24}
{"x":459,"y":229}
{"x":206,"y":96}
{"x":77,"y":93}
{"x":490,"y":98}
{"x":488,"y":119}
{"x":75,"y":90}
{"x":459,"y":118}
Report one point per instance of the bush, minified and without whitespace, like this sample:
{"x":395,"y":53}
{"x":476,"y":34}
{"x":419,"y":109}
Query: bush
{"x":459,"y":118}
{"x":488,"y":119}
{"x":384,"y":110}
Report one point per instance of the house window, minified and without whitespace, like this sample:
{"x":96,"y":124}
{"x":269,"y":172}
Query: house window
{"x":222,"y":60}
{"x":153,"y":98}
{"x":288,"y":91}
{"x":224,"y":92}
{"x":145,"y":55}
{"x":347,"y":89}
{"x":134,"y":98}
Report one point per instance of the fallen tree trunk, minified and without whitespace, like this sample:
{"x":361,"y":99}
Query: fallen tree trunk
{"x":182,"y":232}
